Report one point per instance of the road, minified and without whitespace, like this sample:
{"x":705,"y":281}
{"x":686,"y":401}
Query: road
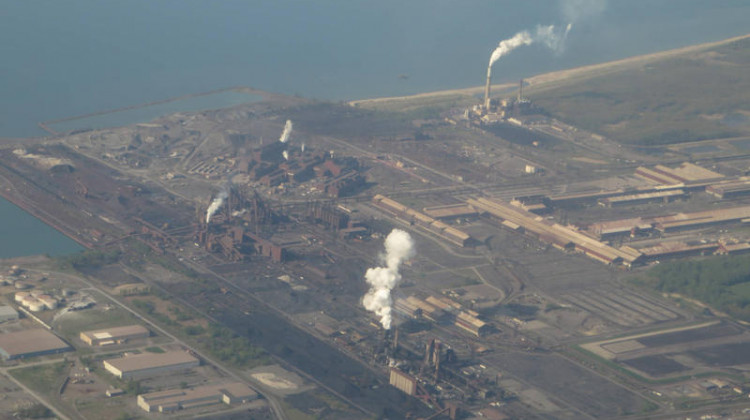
{"x":273,"y":401}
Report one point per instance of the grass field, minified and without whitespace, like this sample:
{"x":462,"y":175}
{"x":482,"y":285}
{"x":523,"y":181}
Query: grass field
{"x":45,"y":378}
{"x":687,"y":97}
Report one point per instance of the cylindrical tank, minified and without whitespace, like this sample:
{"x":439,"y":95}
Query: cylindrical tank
{"x":49,"y":302}
{"x":21,"y":295}
{"x":36,"y":306}
{"x":22,"y":285}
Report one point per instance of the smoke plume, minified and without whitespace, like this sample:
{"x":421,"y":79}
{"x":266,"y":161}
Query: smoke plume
{"x":285,"y":154}
{"x":216,"y":204}
{"x":579,"y":11}
{"x":399,"y":247}
{"x":549,"y":36}
{"x":287,"y":132}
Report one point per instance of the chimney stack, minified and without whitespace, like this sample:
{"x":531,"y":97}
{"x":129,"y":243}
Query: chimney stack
{"x":487,"y":89}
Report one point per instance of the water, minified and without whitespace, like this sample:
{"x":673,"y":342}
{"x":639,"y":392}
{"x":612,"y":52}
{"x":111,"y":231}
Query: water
{"x":62,"y":59}
{"x":27,"y":235}
{"x":67,"y":58}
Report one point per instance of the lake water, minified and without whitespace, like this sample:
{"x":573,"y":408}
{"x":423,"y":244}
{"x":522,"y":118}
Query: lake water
{"x":22,"y":234}
{"x":68,"y":58}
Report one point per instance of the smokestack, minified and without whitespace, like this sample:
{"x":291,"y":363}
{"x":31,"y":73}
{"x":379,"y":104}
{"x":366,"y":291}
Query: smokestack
{"x":487,"y":88}
{"x":520,"y":90}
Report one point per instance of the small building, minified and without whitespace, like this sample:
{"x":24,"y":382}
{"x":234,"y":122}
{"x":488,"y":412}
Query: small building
{"x":130,"y":289}
{"x":7,"y":313}
{"x":30,"y":343}
{"x":114,"y":392}
{"x":145,"y":365}
{"x":176,"y":399}
{"x":114,"y":335}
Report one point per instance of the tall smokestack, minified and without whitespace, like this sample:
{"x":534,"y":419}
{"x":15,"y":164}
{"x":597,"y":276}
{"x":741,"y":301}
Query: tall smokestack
{"x":487,"y":88}
{"x":520,"y":90}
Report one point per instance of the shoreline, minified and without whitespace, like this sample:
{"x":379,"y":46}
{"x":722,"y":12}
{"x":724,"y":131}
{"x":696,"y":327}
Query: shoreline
{"x":542,"y":80}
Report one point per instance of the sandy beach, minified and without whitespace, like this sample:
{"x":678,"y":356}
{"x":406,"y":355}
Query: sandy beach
{"x":548,"y":80}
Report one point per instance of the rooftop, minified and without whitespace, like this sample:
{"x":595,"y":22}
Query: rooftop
{"x":117,"y":332}
{"x":18,"y":344}
{"x":151,"y":360}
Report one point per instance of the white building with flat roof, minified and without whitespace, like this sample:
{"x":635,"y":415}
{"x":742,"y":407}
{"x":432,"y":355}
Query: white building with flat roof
{"x":150,"y":364}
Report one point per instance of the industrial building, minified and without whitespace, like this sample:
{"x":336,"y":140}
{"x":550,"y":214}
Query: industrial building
{"x":414,"y":307}
{"x":621,"y":227}
{"x":634,"y":199}
{"x":732,"y":189}
{"x":30,"y":343}
{"x":7,"y":313}
{"x":675,"y":249}
{"x":451,"y":211}
{"x":403,"y":382}
{"x":411,"y":216}
{"x":150,"y":364}
{"x":682,"y":221}
{"x":115,"y":335}
{"x":562,"y":237}
{"x":685,"y":173}
{"x":442,"y":310}
{"x":183,"y":399}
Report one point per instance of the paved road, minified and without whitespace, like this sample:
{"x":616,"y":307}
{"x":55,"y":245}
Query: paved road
{"x":274,"y":403}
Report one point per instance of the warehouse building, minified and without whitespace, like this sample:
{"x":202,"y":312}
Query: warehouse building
{"x":566,"y":238}
{"x":421,"y":220}
{"x":643,"y":198}
{"x":114,"y":335}
{"x":732,"y":189}
{"x":685,"y":173}
{"x":183,"y":399}
{"x":149,"y":364}
{"x":7,"y":313}
{"x":30,"y":343}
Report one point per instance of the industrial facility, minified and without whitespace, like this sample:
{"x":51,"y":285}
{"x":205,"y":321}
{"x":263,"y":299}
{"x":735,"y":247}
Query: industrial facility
{"x":150,"y":364}
{"x":116,"y":335}
{"x":31,"y":343}
{"x":184,"y":399}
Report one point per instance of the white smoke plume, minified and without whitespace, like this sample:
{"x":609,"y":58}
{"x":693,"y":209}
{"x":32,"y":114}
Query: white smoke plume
{"x":399,"y":247}
{"x":285,"y":153}
{"x":550,"y":36}
{"x":216,"y":204}
{"x":510,"y":44}
{"x":287,"y":131}
{"x":579,"y":11}
{"x":302,"y":147}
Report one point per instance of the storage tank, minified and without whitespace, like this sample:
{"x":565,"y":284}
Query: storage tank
{"x":48,"y":301}
{"x":20,"y":296}
{"x":22,"y":285}
{"x":37,"y":306}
